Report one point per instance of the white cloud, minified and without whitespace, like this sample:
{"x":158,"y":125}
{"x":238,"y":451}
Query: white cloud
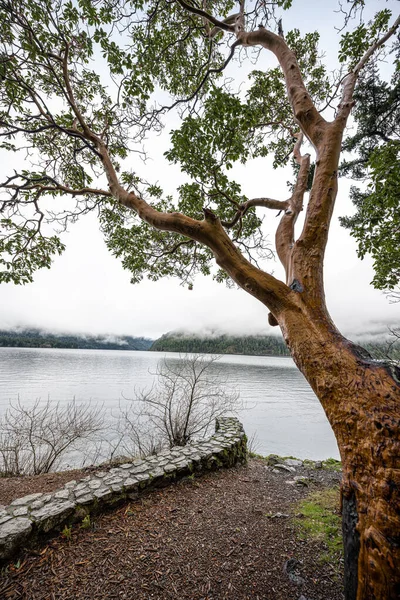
{"x":88,"y":291}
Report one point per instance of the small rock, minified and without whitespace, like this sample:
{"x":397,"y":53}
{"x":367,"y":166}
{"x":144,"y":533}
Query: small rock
{"x":117,"y":487}
{"x":62,"y":494}
{"x":152,"y":460}
{"x":103,"y":494}
{"x":217,"y":448}
{"x":5,"y":518}
{"x":95,"y":484}
{"x":139,"y":469}
{"x":130,"y":483}
{"x":80,"y":486}
{"x":81,"y":493}
{"x":278,"y":515}
{"x":141,"y":476}
{"x":293,"y":462}
{"x":291,"y":569}
{"x":157,"y":472}
{"x":169,"y":468}
{"x":70,"y":484}
{"x":113,"y":480}
{"x":13,"y":534}
{"x":25,"y":499}
{"x":283,"y":467}
{"x":87,"y":499}
{"x":183,"y":464}
{"x":52,"y":514}
{"x":21,"y":512}
{"x":318,"y":464}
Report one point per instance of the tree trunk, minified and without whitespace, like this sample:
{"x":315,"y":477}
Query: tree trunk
{"x":361,"y":398}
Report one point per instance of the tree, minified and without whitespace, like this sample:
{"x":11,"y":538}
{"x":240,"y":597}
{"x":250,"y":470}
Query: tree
{"x":34,"y":440}
{"x":77,"y":127}
{"x":189,"y":395}
{"x":376,"y":223}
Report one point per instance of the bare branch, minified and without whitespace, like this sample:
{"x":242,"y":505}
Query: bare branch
{"x":188,"y":396}
{"x":34,"y":440}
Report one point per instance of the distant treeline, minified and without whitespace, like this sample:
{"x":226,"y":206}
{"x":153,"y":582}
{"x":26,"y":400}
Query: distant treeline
{"x":266,"y":345}
{"x":33,"y":338}
{"x":259,"y":345}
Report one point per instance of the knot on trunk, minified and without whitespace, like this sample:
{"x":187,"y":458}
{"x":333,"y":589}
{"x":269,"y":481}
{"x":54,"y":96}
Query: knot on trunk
{"x":272,"y":321}
{"x":296,"y":286}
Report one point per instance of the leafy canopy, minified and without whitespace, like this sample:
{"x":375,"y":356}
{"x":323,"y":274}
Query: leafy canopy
{"x":375,"y":161}
{"x":73,"y":70}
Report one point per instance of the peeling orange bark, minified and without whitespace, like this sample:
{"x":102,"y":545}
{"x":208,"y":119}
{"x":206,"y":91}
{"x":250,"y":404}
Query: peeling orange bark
{"x":361,"y":399}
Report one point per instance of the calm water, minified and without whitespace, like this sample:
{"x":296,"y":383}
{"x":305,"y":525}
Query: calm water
{"x":282,"y":410}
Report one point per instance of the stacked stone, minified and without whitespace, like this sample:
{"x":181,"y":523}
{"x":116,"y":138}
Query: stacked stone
{"x":26,"y":519}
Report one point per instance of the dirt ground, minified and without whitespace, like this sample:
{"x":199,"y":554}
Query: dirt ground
{"x":225,"y":535}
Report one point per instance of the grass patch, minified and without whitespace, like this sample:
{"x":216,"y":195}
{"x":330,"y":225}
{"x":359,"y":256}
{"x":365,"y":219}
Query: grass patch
{"x":332,"y":464}
{"x":318,"y":519}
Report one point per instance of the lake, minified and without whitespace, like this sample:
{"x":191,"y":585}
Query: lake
{"x":282,"y":411}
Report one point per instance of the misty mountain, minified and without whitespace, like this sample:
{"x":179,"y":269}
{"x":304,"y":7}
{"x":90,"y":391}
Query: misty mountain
{"x":34,"y":338}
{"x":380,"y":347}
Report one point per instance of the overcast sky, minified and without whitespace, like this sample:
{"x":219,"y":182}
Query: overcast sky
{"x":87,"y":290}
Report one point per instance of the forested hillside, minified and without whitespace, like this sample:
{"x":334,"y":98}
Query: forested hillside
{"x":34,"y":338}
{"x":221,"y":344}
{"x":257,"y":345}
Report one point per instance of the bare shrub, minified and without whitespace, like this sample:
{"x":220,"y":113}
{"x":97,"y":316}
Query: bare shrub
{"x":34,"y":440}
{"x":189,"y":394}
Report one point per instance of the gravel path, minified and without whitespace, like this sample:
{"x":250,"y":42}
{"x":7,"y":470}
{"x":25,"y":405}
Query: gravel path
{"x":227,"y":535}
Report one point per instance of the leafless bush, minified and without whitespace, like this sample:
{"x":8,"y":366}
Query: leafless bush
{"x":188,"y":395}
{"x":253,"y":444}
{"x":34,"y":440}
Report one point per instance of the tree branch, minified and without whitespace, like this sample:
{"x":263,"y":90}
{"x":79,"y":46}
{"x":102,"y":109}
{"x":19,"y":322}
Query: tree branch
{"x":306,"y":115}
{"x":350,"y":80}
{"x":312,"y":124}
{"x":89,"y":135}
{"x":202,"y":13}
{"x":308,"y":252}
{"x":284,"y":237}
{"x":262,"y":202}
{"x":57,"y":188}
{"x":210,"y":232}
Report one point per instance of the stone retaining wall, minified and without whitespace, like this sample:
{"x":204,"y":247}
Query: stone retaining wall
{"x":27,"y":519}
